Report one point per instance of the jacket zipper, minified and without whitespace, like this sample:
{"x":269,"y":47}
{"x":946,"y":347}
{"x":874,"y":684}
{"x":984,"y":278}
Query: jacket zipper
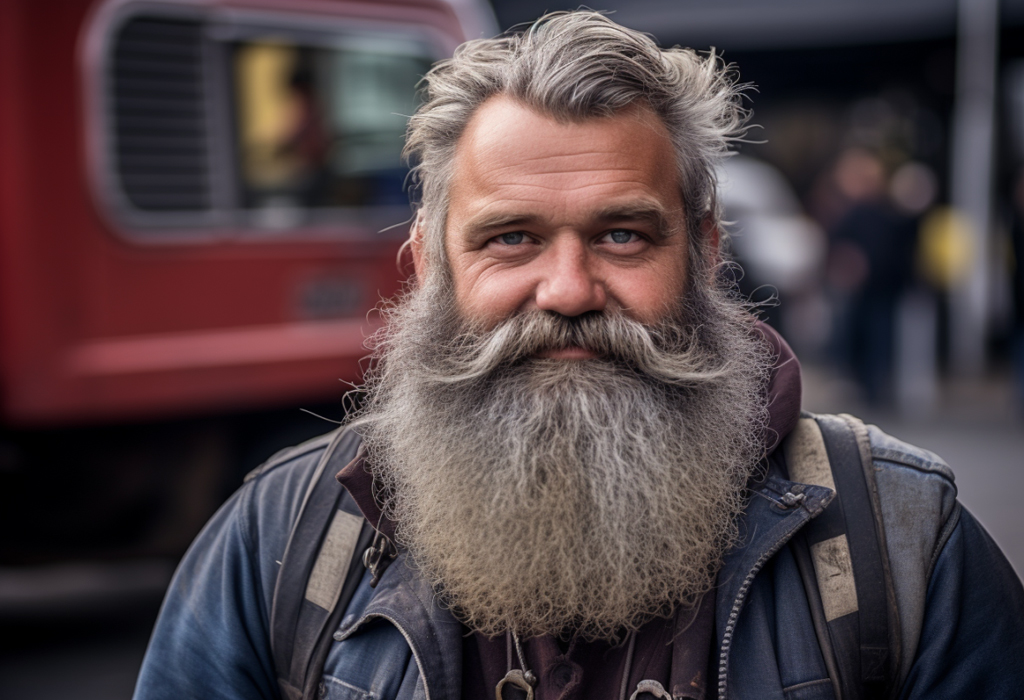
{"x":734,"y":613}
{"x":408,"y":641}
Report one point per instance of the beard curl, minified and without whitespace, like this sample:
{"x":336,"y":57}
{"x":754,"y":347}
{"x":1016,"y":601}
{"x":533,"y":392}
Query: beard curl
{"x":564,"y":496}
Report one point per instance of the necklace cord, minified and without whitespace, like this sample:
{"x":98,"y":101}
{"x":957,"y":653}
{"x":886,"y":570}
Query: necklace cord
{"x":529,"y":676}
{"x":629,"y":665}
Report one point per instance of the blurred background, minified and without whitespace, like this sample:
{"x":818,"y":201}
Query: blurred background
{"x":201,"y":200}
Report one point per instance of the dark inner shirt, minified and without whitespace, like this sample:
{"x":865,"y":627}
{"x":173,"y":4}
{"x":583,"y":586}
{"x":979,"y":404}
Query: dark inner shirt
{"x":675,"y":652}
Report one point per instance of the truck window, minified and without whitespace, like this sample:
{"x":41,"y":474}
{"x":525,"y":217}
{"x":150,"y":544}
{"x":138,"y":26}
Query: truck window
{"x":322,"y":128}
{"x":218,"y":124}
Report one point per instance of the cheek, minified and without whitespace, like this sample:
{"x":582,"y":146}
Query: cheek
{"x":647,"y":298}
{"x":490,"y":296}
{"x":648,"y":293}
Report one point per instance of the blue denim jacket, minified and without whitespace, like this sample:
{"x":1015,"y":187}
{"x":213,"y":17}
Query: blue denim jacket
{"x":961,"y":606}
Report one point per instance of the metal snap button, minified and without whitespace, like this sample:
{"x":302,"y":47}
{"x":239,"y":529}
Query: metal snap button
{"x":791,"y":499}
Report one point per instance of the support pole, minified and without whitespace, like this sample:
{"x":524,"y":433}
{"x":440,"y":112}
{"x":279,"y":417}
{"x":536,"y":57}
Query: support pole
{"x":971,"y":172}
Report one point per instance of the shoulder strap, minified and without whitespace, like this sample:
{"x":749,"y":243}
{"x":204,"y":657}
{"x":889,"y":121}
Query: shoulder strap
{"x":319,"y":573}
{"x":849,"y":578}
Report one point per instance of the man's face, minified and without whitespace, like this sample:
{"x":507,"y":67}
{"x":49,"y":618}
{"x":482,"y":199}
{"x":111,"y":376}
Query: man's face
{"x":609,"y":488}
{"x":565,"y":217}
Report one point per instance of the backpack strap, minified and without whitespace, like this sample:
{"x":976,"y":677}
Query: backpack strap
{"x":848,"y":580}
{"x":319,"y":574}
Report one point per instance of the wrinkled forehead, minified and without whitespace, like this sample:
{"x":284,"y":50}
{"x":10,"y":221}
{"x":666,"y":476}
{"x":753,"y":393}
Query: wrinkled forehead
{"x":505,"y":128}
{"x":513,"y":158}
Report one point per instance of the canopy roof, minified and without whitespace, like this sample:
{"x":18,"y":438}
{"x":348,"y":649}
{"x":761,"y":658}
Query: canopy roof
{"x":770,"y":24}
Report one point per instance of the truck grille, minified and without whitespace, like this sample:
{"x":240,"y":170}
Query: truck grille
{"x":159,"y":115}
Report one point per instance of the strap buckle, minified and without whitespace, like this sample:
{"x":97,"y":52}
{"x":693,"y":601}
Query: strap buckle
{"x":378,"y":556}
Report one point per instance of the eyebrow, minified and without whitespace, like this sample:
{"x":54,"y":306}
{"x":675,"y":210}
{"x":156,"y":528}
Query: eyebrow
{"x":499,"y":221}
{"x":648,"y":212}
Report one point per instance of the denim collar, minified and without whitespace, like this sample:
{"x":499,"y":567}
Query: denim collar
{"x":407,"y":601}
{"x":778,"y":508}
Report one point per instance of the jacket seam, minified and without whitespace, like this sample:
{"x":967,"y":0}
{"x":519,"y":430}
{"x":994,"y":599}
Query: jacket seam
{"x":367,"y":693}
{"x":321,"y":442}
{"x":246,"y":520}
{"x":430,"y":628}
{"x":939,"y":470}
{"x":767,"y":497}
{"x":806,"y":684}
{"x":952,"y":522}
{"x":246,"y":526}
{"x":385,"y":612}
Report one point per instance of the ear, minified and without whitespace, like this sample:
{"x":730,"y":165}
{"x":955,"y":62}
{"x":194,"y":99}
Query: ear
{"x":713,"y":238}
{"x":415,"y":242}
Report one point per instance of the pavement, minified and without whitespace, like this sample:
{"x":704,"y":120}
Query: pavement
{"x":974,"y":425}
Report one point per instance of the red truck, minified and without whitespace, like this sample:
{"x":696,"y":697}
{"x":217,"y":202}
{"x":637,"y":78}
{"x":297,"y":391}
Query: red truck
{"x":200,"y":201}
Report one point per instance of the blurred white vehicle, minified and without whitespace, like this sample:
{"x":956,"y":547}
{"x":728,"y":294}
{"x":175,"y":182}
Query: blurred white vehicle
{"x":782,"y":251}
{"x":769,"y":234}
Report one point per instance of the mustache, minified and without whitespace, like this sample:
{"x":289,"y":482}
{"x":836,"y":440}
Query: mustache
{"x":670,"y":351}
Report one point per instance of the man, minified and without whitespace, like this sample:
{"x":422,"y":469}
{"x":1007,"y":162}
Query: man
{"x":571,"y":433}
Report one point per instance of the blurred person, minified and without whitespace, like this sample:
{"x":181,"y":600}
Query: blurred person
{"x":577,"y":447}
{"x":309,"y":140}
{"x":913,"y":189}
{"x":871,"y":264}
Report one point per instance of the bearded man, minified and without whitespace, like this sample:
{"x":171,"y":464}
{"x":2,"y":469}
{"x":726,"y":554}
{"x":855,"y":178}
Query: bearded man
{"x":569,"y":444}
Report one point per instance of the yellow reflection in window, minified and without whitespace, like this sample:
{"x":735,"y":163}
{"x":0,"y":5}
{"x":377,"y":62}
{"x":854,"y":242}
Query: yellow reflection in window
{"x":268,"y":109}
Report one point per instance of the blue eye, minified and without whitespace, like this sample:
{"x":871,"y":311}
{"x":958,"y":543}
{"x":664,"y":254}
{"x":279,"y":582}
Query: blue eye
{"x":621,"y":236}
{"x":514,"y":238}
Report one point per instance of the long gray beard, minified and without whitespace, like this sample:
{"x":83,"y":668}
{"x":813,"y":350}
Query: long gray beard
{"x":555,"y":496}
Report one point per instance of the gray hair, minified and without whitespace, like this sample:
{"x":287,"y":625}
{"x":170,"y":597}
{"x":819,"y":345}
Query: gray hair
{"x":574,"y":66}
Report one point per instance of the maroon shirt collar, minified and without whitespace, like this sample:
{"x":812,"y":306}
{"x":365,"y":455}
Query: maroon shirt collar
{"x":785,"y":387}
{"x":358,"y":481}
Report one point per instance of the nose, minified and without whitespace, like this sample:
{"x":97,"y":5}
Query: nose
{"x":569,"y":285}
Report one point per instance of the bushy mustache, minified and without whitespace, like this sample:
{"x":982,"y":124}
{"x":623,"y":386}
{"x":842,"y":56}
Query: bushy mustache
{"x":669,"y":352}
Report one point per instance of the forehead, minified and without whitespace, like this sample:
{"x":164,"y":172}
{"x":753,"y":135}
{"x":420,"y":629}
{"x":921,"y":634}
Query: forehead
{"x":512,"y":156}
